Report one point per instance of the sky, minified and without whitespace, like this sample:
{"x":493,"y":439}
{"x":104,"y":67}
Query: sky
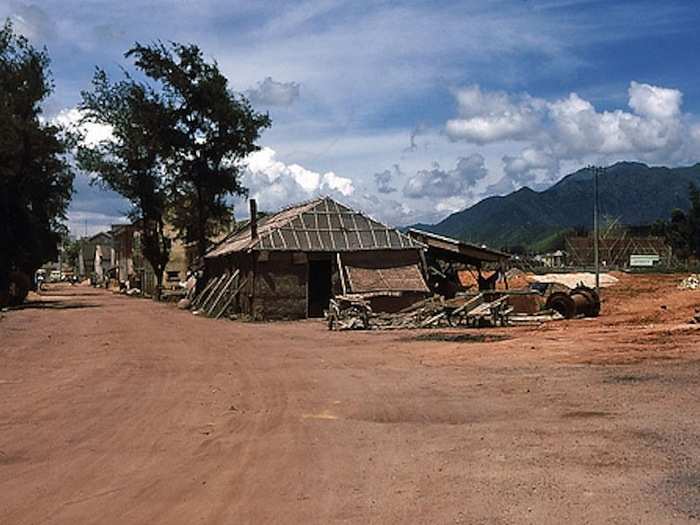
{"x":408,"y":111}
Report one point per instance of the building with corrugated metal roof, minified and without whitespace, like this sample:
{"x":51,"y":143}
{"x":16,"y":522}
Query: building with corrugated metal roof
{"x":292,"y":262}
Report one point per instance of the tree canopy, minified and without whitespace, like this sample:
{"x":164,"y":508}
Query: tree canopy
{"x":682,"y":231}
{"x":212,"y":131}
{"x":177,"y":145}
{"x":131,"y":162}
{"x":36,"y":179}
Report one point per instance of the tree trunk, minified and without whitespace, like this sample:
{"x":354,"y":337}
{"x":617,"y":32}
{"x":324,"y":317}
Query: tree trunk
{"x":201,"y":233}
{"x":201,"y":224}
{"x":4,"y":286}
{"x":4,"y":247}
{"x":157,"y":293}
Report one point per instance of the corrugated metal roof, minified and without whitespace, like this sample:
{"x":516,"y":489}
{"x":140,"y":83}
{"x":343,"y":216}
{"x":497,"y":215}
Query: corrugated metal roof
{"x":321,"y":225}
{"x":468,"y":250}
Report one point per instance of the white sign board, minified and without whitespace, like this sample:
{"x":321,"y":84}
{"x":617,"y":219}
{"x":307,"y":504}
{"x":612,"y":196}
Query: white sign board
{"x":644,"y":260}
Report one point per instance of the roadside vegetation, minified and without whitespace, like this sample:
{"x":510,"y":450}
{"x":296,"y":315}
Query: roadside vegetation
{"x":682,"y":230}
{"x":36,"y":178}
{"x":177,"y":146}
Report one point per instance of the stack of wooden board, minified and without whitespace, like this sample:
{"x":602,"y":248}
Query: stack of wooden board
{"x":218,"y":295}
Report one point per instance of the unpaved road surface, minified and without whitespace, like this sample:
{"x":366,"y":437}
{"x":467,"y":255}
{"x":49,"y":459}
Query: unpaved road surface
{"x":119,"y":410}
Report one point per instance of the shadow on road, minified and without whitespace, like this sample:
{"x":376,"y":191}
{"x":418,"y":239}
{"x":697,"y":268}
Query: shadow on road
{"x":62,"y":293}
{"x":53,"y":305}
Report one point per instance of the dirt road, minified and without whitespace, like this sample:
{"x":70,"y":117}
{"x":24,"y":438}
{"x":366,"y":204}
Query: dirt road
{"x":119,"y":410}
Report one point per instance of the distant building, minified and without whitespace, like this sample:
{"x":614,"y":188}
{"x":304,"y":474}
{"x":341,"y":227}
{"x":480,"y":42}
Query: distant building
{"x":555,"y":259}
{"x":133,"y":269}
{"x":622,"y":251}
{"x":96,"y":256}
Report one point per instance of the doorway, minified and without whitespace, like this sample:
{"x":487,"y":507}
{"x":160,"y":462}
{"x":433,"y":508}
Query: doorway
{"x":319,"y":293}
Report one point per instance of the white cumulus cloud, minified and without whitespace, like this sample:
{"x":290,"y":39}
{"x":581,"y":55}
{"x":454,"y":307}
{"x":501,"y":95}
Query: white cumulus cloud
{"x":655,"y":102}
{"x":436,"y":182}
{"x":276,"y":184}
{"x":531,"y":164}
{"x":571,"y":129}
{"x":493,"y":116}
{"x":91,"y":134}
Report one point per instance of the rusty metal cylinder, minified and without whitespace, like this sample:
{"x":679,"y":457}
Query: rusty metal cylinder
{"x":586,"y":300}
{"x":582,"y":301}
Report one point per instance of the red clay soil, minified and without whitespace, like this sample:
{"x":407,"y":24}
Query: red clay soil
{"x":120,"y":410}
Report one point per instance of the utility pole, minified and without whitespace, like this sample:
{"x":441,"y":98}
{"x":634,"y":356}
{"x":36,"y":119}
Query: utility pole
{"x":596,"y":255}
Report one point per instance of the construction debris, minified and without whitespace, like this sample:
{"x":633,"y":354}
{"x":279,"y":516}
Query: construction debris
{"x":692,"y":282}
{"x":353,"y":312}
{"x":542,"y":302}
{"x":348,"y":313}
{"x":535,"y":319}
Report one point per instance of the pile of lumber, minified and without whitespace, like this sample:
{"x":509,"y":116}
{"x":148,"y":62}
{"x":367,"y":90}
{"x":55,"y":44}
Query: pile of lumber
{"x":347,"y":312}
{"x":542,"y":316}
{"x":218,"y":295}
{"x":353,"y":312}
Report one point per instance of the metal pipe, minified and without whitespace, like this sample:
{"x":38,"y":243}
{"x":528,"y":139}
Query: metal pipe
{"x":581,"y":301}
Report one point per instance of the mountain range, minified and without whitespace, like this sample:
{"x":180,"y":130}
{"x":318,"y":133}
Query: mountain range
{"x":631,"y":193}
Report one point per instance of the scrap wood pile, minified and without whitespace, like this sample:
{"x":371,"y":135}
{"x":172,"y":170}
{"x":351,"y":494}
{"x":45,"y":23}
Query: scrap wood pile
{"x":217,"y":296}
{"x":542,"y":302}
{"x":536,"y":318}
{"x":354,"y":312}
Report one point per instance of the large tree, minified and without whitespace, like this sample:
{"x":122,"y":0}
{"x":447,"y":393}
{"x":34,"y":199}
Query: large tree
{"x":36,"y":179}
{"x":682,"y":232}
{"x":214,"y":130}
{"x":694,"y":220}
{"x":131,"y":161}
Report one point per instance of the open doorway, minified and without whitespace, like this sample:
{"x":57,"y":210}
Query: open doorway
{"x":319,"y":292}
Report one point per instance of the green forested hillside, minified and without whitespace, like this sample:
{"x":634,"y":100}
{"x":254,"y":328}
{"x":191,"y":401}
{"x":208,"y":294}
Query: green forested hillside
{"x":633,"y":193}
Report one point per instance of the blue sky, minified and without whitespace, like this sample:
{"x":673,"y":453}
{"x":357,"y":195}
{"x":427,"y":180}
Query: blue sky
{"x":408,"y":110}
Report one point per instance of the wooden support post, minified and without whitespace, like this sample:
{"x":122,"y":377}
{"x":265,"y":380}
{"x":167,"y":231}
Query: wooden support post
{"x":342,"y":274}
